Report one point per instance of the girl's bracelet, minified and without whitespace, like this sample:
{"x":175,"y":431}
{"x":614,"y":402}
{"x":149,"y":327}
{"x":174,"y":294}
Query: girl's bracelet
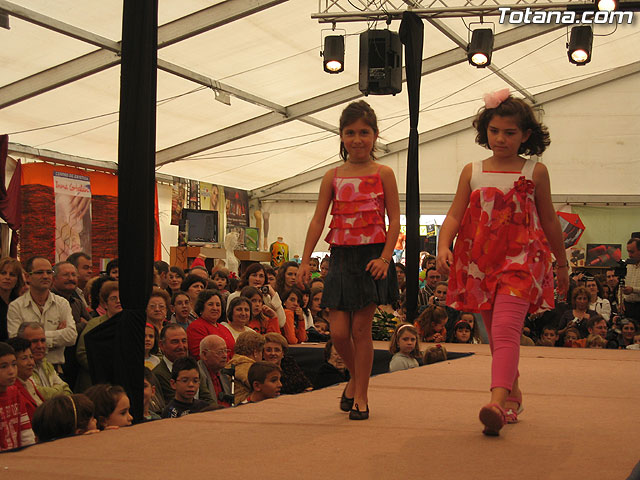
{"x":384,"y":260}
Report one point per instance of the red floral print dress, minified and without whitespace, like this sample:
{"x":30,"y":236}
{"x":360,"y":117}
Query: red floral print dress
{"x":358,"y":211}
{"x":501,"y":247}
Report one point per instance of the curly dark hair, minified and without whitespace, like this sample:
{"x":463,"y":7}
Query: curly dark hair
{"x":537,"y":142}
{"x":352,"y":113}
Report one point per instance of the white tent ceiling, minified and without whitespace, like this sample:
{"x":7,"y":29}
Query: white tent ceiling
{"x":284,"y":109}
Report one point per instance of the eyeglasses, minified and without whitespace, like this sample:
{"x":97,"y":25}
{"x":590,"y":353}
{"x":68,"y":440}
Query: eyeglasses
{"x":222,"y":351}
{"x":42,"y":272}
{"x":186,"y":381}
{"x":157,"y":306}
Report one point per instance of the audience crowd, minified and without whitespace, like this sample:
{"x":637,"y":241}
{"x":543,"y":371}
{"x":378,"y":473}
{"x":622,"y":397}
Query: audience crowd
{"x":213,"y":341}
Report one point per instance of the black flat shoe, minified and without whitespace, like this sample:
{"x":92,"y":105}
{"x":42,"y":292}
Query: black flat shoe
{"x":355,"y":414}
{"x":346,"y":404}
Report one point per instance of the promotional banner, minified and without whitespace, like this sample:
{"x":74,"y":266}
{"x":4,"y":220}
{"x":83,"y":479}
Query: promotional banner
{"x":237,"y":207}
{"x":178,"y":199}
{"x":73,"y":214}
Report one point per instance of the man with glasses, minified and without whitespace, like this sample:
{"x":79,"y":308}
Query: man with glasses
{"x":213,"y":358}
{"x":49,"y":310}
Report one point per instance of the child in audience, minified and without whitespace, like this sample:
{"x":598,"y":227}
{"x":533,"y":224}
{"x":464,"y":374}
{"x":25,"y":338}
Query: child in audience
{"x":185,"y":380}
{"x":571,"y":337}
{"x":431,"y":324}
{"x":434,"y":354}
{"x":111,"y":406}
{"x":549,"y":336}
{"x":319,"y":332}
{"x":264,"y":378}
{"x":148,"y":394}
{"x":294,"y":329}
{"x":471,"y":320}
{"x":462,"y":332}
{"x":405,"y":348}
{"x":24,"y":360}
{"x":263,"y":318}
{"x":64,"y":416}
{"x":181,"y":309}
{"x":595,"y":341}
{"x":506,"y":227}
{"x":150,"y":346}
{"x":221,"y":280}
{"x":248,"y":350}
{"x":14,"y":420}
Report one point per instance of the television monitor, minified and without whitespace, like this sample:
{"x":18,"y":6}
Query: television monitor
{"x":200,"y":226}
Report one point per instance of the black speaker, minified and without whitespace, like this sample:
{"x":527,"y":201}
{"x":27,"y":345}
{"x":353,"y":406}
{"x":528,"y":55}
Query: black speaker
{"x":380,"y":62}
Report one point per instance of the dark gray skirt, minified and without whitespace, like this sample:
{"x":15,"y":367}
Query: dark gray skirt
{"x":349,"y":287}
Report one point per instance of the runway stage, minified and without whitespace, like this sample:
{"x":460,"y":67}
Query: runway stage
{"x":580,"y":422}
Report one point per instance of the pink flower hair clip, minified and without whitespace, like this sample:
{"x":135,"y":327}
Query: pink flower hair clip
{"x":493,"y":99}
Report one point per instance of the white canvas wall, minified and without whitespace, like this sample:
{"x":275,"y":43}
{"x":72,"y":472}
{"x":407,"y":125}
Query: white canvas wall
{"x":595,"y":150}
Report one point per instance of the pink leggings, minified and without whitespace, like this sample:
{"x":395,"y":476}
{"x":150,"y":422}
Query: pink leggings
{"x":504,"y":326}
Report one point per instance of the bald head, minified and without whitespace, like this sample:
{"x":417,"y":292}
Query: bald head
{"x":213,"y":352}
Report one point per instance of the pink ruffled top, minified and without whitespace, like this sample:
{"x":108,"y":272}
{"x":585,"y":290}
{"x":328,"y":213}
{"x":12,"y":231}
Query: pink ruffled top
{"x":358,"y":211}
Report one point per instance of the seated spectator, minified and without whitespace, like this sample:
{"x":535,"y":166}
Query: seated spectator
{"x":286,"y":278}
{"x":401,"y":274}
{"x":44,"y":375}
{"x":264,"y":378}
{"x":431,"y":324}
{"x":256,"y":276}
{"x":239,"y":315}
{"x":248,"y":350}
{"x":597,"y":302}
{"x":149,"y":397}
{"x":25,"y":363}
{"x":314,"y":264}
{"x":174,"y":279}
{"x":432,"y":277}
{"x":161,"y":274}
{"x":113,"y":269}
{"x":151,"y":360}
{"x":324,"y":266}
{"x":462,"y":332}
{"x":64,"y":416}
{"x":92,"y":295}
{"x":597,"y":325}
{"x":213,"y":358}
{"x":306,"y":311}
{"x":173,"y":345}
{"x":405,"y":348}
{"x":595,"y":341}
{"x":221,"y":280}
{"x":294,"y":329}
{"x":65,"y":284}
{"x":434,"y":354}
{"x":629,"y":330}
{"x":317,"y":282}
{"x":319,"y":332}
{"x":42,"y":306}
{"x":572,"y":337}
{"x":470,"y":318}
{"x":12,"y":281}
{"x":185,"y":380}
{"x":549,"y":336}
{"x":293,"y":378}
{"x":14,"y":420}
{"x":110,"y":298}
{"x":263,"y":318}
{"x":111,"y":406}
{"x":181,"y":309}
{"x":315,"y":299}
{"x":576,"y":317}
{"x":157,"y":307}
{"x":636,"y":343}
{"x":333,"y":370}
{"x":192,"y":285}
{"x":210,"y":309}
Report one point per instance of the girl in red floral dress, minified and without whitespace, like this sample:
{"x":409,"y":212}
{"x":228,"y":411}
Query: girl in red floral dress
{"x":361,"y":269}
{"x":506,"y":226}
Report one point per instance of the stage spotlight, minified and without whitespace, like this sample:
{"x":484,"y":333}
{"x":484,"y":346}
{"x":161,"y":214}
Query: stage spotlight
{"x":606,"y":5}
{"x":480,"y":48}
{"x":333,"y":54}
{"x":579,"y":46}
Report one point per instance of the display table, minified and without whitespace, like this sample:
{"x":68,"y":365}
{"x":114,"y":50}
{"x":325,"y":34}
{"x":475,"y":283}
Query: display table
{"x":183,"y":256}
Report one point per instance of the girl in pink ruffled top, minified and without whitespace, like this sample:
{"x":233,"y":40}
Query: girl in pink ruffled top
{"x":507,"y":228}
{"x":361,"y":270}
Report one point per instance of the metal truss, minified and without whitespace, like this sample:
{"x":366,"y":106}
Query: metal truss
{"x":335,"y":11}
